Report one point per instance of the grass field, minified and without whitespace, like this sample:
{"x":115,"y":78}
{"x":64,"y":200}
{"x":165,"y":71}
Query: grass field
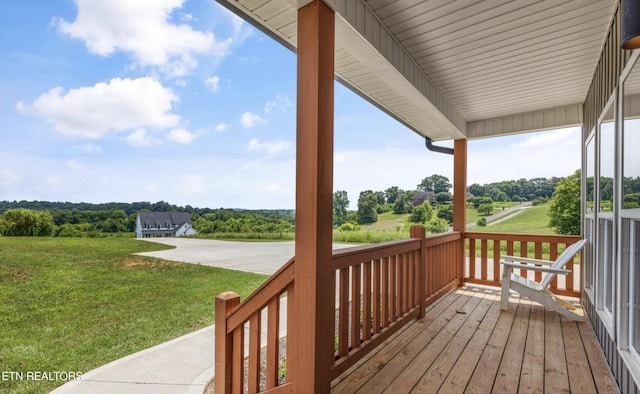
{"x":73,"y":304}
{"x":533,"y":220}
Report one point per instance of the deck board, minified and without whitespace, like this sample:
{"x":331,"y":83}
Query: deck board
{"x":466,"y":344}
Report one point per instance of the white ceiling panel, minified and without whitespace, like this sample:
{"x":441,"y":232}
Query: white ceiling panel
{"x":439,"y":65}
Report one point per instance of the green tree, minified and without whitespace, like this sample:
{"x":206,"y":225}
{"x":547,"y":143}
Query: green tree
{"x":421,"y":214}
{"x":437,"y":225}
{"x":444,"y":197}
{"x":446,"y":212}
{"x":392,"y":194}
{"x":27,"y":222}
{"x":340,"y":204}
{"x":435,"y":183}
{"x":485,"y":209}
{"x":564,"y":207}
{"x":367,"y":207}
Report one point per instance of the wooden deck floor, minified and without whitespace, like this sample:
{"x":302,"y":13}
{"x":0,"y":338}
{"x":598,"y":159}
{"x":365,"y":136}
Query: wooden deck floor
{"x":466,"y":344}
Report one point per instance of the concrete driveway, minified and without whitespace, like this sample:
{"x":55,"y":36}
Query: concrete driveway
{"x":260,"y":257}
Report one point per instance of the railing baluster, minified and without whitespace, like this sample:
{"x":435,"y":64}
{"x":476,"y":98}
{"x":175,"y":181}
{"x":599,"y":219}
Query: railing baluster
{"x":496,"y":259}
{"x":386,"y":299}
{"x":483,"y":258}
{"x":553,"y":254}
{"x":538,"y":255}
{"x":238,"y":360}
{"x":377,"y":312}
{"x":254,"y":353}
{"x":366,"y":302}
{"x":343,"y":313}
{"x":273,"y":342}
{"x":472,"y":258}
{"x":393,"y":289}
{"x":356,"y":279}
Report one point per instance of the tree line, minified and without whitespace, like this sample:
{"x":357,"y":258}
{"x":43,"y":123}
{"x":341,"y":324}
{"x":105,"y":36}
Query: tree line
{"x":64,"y":219}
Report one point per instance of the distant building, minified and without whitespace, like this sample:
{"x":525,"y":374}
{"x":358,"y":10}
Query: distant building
{"x":164,"y":224}
{"x":420,"y":197}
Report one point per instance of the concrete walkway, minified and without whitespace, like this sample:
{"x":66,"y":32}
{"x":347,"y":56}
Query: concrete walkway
{"x":184,"y":364}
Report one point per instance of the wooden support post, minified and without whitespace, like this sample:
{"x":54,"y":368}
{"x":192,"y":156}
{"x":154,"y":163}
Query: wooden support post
{"x":315,"y":315}
{"x":419,"y":232}
{"x":225,"y":303}
{"x":460,"y":201}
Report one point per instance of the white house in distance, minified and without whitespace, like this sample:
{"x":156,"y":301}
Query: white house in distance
{"x":164,"y":224}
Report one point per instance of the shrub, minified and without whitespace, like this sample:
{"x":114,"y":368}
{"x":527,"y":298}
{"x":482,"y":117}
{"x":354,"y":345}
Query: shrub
{"x":482,"y":222}
{"x":349,"y":227}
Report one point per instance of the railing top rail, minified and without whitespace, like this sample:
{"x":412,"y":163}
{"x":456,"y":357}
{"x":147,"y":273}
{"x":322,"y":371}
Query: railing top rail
{"x":433,"y":240}
{"x":272,"y":287}
{"x":568,"y":239}
{"x":358,"y":254}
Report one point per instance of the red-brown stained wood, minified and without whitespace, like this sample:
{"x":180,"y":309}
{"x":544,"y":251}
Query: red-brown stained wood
{"x":393,"y":289}
{"x":224,"y":304}
{"x":254,"y":353}
{"x":356,"y":279}
{"x":343,"y":313}
{"x":386,"y":300}
{"x":472,"y":258}
{"x":273,"y":339}
{"x":496,"y":259}
{"x":377,"y":312}
{"x":237,"y":386}
{"x":483,"y":259}
{"x":366,"y":301}
{"x":314,"y":196}
{"x":538,"y":255}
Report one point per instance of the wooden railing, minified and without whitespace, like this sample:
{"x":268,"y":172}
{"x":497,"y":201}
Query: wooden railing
{"x":381,"y":288}
{"x":237,"y":370}
{"x":484,"y":251}
{"x":377,"y":289}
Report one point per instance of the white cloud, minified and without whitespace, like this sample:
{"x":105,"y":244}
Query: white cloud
{"x":142,"y":29}
{"x":75,"y":164}
{"x":9,"y":178}
{"x":222,"y":126}
{"x":181,"y":136}
{"x":268,"y":147}
{"x":117,"y":105}
{"x":139,"y":138}
{"x":250,"y":120}
{"x":281,"y":102}
{"x":192,"y":184}
{"x":213,"y":83}
{"x":88,"y":148}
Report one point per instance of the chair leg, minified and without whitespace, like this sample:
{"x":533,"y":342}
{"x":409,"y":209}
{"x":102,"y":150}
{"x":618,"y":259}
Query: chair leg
{"x":506,"y":286}
{"x":562,"y":301}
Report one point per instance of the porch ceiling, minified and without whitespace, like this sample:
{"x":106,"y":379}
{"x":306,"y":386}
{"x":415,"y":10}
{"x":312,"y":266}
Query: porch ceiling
{"x":466,"y":68}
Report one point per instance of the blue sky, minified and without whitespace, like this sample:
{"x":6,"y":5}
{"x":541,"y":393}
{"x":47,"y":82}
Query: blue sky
{"x":184,"y":102}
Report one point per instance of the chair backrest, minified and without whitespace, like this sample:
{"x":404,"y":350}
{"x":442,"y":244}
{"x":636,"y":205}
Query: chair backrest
{"x":562,"y":260}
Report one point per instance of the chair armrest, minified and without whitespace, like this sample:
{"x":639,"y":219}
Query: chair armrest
{"x":526,"y":260}
{"x":560,"y":271}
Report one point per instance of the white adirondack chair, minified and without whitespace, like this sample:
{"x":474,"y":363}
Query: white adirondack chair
{"x":539,"y":291}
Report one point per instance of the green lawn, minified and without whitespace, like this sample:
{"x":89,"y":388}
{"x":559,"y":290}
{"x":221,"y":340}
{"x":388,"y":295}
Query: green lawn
{"x":73,"y":304}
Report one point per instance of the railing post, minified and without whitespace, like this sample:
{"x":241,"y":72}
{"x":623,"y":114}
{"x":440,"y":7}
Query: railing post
{"x":419,"y":232}
{"x":460,"y":201}
{"x":223,"y":343}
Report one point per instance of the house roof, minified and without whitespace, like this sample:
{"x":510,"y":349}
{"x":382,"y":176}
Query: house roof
{"x":454,"y":69}
{"x":164,"y":219}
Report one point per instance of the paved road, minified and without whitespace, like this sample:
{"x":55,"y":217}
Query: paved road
{"x":260,"y":257}
{"x":504,"y":213}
